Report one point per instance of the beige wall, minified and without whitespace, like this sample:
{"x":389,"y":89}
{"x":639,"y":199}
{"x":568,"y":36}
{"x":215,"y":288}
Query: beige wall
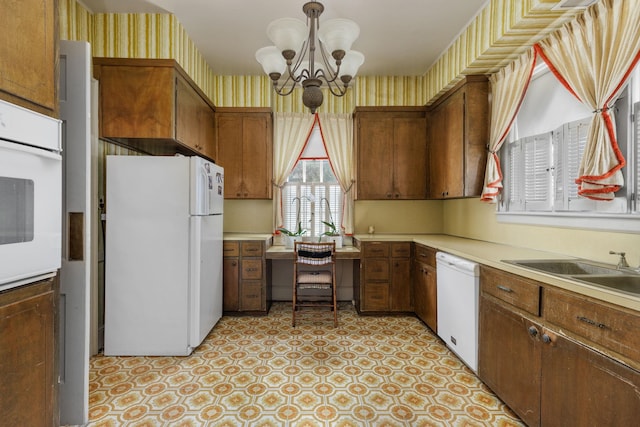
{"x":477,"y":220}
{"x":399,"y":216}
{"x":396,"y":216}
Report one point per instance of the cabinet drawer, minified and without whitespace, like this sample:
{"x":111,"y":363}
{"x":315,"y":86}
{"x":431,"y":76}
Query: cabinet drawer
{"x":401,"y":250}
{"x":252,"y":269}
{"x":251,"y":296}
{"x":230,"y":249}
{"x":515,"y":290}
{"x":376,"y":269}
{"x":376,"y":250}
{"x":252,"y":249}
{"x":426,"y":255}
{"x":601,"y":323}
{"x":376,"y":297}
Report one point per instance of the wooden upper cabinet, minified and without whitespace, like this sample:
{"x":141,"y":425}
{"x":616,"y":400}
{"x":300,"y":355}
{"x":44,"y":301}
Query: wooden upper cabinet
{"x":245,"y":151}
{"x":458,"y":124}
{"x":391,"y":152}
{"x":29,"y":55}
{"x":151,"y":105}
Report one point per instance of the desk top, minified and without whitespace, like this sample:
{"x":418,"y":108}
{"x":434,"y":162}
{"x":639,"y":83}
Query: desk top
{"x":281,"y":252}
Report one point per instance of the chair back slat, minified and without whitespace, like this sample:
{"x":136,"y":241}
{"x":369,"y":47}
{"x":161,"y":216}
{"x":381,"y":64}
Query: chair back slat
{"x":318,"y":253}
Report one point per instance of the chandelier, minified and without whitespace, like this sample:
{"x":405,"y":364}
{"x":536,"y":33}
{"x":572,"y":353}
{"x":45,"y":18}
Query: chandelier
{"x":297,"y":42}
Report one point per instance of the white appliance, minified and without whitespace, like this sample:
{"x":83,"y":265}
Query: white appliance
{"x":30,"y":196}
{"x":458,"y":286}
{"x":163,"y":254}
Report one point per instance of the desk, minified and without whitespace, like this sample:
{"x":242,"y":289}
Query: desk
{"x":348,"y":265}
{"x":281,"y":252}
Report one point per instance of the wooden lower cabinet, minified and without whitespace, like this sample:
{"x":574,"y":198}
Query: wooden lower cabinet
{"x":246,"y":278}
{"x":509,"y":359}
{"x":425,"y":289}
{"x":544,"y":373}
{"x":386,"y":284}
{"x":28,"y":355}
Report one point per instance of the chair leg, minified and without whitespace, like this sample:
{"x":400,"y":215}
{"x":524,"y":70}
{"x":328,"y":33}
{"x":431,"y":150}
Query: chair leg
{"x":335,"y":305}
{"x":295,"y":299}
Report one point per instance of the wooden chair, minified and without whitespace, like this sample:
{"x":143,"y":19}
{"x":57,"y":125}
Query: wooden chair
{"x":314,"y":273}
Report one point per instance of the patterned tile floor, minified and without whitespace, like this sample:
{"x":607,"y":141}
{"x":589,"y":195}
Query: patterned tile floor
{"x":259,"y":371}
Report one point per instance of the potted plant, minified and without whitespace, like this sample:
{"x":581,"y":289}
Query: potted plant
{"x":293,"y":236}
{"x":331,"y":233}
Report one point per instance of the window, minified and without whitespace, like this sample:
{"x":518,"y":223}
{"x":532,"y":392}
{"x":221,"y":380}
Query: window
{"x":312,"y":193}
{"x":541,"y":158}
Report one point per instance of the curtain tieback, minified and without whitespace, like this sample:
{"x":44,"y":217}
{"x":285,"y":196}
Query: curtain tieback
{"x":276,"y":185}
{"x":349,"y":187}
{"x":600,"y":110}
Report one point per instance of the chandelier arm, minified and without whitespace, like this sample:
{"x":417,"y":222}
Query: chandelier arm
{"x":335,"y":89}
{"x":293,"y":70}
{"x":333,"y":74}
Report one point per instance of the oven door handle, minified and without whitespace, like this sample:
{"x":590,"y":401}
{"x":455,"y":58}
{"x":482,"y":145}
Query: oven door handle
{"x":41,"y":152}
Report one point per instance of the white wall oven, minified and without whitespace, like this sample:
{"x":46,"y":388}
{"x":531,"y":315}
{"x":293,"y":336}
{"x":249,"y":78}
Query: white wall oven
{"x":30,"y":196}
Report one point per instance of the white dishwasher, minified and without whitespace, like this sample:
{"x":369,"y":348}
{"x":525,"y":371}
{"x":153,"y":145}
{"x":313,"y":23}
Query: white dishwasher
{"x":458,"y":286}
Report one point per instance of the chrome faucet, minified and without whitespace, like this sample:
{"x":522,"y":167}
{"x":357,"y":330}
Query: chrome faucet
{"x":622,"y":262}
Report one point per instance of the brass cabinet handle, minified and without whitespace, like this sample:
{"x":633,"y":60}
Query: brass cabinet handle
{"x":591,"y":322}
{"x":505,"y":288}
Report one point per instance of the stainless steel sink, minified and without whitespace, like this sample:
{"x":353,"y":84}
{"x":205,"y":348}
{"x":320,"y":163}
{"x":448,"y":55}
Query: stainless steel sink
{"x":602,"y":275}
{"x":623,"y":283}
{"x":565,"y":267}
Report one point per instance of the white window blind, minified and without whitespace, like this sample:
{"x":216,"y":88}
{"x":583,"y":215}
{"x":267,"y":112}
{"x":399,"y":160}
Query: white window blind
{"x":568,"y":145}
{"x":537,"y":171}
{"x":514,"y":180}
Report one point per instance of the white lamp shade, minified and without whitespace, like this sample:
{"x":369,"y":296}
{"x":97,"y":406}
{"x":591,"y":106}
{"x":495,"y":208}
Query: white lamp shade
{"x":338,"y":34}
{"x":288,"y":33}
{"x":271,"y":60}
{"x":351,"y":62}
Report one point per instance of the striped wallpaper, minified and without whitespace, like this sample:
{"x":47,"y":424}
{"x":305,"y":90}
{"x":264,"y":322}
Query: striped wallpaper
{"x":497,"y":35}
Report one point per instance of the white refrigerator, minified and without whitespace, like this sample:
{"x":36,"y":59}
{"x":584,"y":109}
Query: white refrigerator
{"x":163,"y":254}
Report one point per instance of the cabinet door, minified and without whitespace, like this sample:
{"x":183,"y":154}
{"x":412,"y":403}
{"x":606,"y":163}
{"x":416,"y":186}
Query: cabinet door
{"x":257,"y":155}
{"x":27,"y":356}
{"x":425,"y":295}
{"x":509,"y":359}
{"x":401,"y":291}
{"x":188,"y":105}
{"x":28,"y":49}
{"x":137,"y":102}
{"x":584,"y":388}
{"x":375,"y":157}
{"x":230,"y":284}
{"x":194,"y":120}
{"x":410,"y":158}
{"x":230,"y":153}
{"x":446,"y":165}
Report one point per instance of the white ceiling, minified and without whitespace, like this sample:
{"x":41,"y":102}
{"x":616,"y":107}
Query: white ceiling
{"x":399,"y":37}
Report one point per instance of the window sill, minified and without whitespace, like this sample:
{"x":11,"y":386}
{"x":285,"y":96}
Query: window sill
{"x":628,"y":223}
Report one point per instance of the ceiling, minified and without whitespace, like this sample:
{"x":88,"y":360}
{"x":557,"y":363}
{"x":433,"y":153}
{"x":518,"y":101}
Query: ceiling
{"x":399,"y":37}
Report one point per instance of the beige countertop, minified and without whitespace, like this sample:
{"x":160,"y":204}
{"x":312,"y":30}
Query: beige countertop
{"x":492,"y":254}
{"x":247,"y":236}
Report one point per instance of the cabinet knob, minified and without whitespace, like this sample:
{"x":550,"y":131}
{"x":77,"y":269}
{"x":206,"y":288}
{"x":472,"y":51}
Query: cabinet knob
{"x":546,"y":338}
{"x":388,"y":195}
{"x":533,"y":331}
{"x":234,"y":263}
